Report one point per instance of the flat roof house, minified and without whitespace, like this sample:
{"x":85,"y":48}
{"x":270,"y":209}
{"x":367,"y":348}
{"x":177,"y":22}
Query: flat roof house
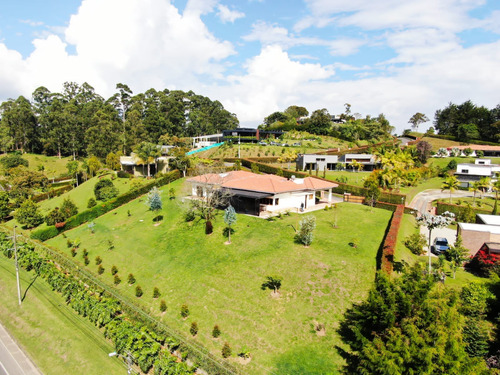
{"x":316,"y":162}
{"x":467,"y":173}
{"x":475,"y":235}
{"x":255,"y":194}
{"x":368,"y":161}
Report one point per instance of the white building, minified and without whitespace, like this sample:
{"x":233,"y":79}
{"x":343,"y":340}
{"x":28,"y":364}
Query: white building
{"x":467,"y":173}
{"x":316,"y":162}
{"x":256,"y":193}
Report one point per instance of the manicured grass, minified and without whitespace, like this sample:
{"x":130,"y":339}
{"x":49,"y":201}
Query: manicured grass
{"x":57,"y":340}
{"x":411,"y":191}
{"x":52,"y":165}
{"x":351,"y":178}
{"x":438,"y":143}
{"x":221,"y":283}
{"x":443,"y":162}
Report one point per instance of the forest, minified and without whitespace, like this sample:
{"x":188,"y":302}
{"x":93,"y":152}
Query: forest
{"x":80,"y":122}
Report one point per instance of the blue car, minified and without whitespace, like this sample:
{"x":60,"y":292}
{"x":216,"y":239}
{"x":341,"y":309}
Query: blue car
{"x":440,"y":245}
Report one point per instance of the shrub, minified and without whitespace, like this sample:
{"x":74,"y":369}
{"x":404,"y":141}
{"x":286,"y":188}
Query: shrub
{"x":85,"y":252}
{"x":156,"y":292}
{"x":123,"y":174}
{"x":13,"y":160}
{"x":131,"y":279}
{"x":68,"y":209}
{"x":104,"y":190}
{"x":54,"y":216}
{"x":216,"y":331}
{"x":306,"y":228}
{"x":138,"y":291}
{"x":86,"y":260}
{"x":194,"y":329}
{"x":100,"y":269}
{"x":98,"y":260}
{"x":163,"y":305}
{"x":189,"y":215}
{"x":415,"y":243}
{"x":114,"y":270}
{"x":184,"y":311}
{"x":69,"y":243}
{"x":91,"y":203}
{"x":117,"y":280}
{"x":73,"y":252}
{"x":28,"y":215}
{"x":226,"y":350}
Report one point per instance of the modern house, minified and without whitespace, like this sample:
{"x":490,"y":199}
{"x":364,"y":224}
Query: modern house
{"x":315,"y":162}
{"x":255,"y":194}
{"x":467,"y":173}
{"x":206,"y":140}
{"x":137,"y":167}
{"x":368,"y":161}
{"x":487,"y":150}
{"x":249,"y":135}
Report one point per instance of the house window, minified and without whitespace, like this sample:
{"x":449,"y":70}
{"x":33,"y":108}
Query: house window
{"x":277,"y":201}
{"x":199,"y":191}
{"x":480,"y":162}
{"x":465,"y":171}
{"x":310,"y":196}
{"x":266,"y":201}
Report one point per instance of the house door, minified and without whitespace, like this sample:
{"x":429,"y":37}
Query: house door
{"x":305,"y":201}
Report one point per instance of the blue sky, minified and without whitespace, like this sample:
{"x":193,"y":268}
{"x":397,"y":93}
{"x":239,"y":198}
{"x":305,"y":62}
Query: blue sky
{"x":259,"y":56}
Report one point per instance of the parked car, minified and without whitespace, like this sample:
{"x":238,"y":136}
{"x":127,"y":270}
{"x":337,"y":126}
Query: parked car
{"x":440,"y":245}
{"x":296,"y":144}
{"x":262,"y":143}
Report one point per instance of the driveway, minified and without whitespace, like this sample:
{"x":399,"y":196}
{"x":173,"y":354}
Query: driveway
{"x":422,"y":201}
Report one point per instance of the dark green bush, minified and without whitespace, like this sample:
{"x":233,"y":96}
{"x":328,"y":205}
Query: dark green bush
{"x":98,"y":260}
{"x":216,"y":331}
{"x":100,"y":269}
{"x":226,"y":350}
{"x":91,"y":203}
{"x":105,"y":190}
{"x":163,"y":306}
{"x":138,"y":291}
{"x":117,"y":280}
{"x":114,"y":270}
{"x":131,"y":279}
{"x":184,"y":311}
{"x":156,"y":292}
{"x":194,"y":329}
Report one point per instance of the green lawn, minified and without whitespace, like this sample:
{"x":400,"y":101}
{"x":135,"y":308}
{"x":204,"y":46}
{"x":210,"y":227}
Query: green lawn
{"x":52,"y":165}
{"x":411,"y":191}
{"x":58,"y":340}
{"x":221,"y":283}
{"x":80,"y":195}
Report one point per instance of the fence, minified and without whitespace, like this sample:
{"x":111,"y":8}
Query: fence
{"x":204,"y":358}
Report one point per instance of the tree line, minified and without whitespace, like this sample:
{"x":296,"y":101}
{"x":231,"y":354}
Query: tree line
{"x":345,"y":126}
{"x":468,"y":121}
{"x":80,"y":122}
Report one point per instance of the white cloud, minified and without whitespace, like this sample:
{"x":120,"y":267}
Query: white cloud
{"x":381,"y":14}
{"x":227,"y":15}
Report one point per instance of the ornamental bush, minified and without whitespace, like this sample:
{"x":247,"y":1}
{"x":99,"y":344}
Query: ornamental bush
{"x":98,"y":260}
{"x":100,"y":269}
{"x":216,"y":331}
{"x":104,"y":190}
{"x":114,"y":270}
{"x":117,"y":280}
{"x":156,"y":292}
{"x":163,"y":305}
{"x":194,"y":329}
{"x":184,"y":311}
{"x":131,"y":279}
{"x":415,"y":243}
{"x":138,"y":291}
{"x":28,"y":215}
{"x":226,"y":350}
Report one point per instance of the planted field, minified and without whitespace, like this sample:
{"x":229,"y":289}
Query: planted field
{"x":221,"y":284}
{"x":56,"y":339}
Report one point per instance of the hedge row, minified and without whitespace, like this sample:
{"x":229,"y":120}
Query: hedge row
{"x":391,"y":239}
{"x":150,"y":346}
{"x":340,"y":189}
{"x":459,"y":211}
{"x":266,"y":168}
{"x":102,"y":208}
{"x":453,"y":138}
{"x":358,"y":150}
{"x":53,"y":193}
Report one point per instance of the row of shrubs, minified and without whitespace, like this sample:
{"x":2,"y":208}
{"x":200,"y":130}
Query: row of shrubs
{"x":463,"y":214}
{"x":390,"y":240}
{"x":148,"y":349}
{"x":102,"y":208}
{"x":54,"y":193}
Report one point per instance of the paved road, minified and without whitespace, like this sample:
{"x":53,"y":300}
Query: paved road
{"x":12,"y":359}
{"x":422,"y":201}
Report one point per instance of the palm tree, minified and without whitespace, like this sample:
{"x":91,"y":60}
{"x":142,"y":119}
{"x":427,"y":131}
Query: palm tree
{"x":450,"y":183}
{"x":475,"y":187}
{"x":147,"y":152}
{"x":484,"y":184}
{"x":496,"y":187}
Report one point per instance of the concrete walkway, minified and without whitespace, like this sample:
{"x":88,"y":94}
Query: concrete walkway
{"x":13,"y":361}
{"x":422,"y":201}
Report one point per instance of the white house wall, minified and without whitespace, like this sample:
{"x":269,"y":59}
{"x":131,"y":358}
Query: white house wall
{"x":293,"y":200}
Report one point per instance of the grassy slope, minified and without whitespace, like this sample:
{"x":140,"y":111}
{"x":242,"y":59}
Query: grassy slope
{"x":53,"y":166}
{"x":80,"y":195}
{"x":221,"y":284}
{"x":58,"y":340}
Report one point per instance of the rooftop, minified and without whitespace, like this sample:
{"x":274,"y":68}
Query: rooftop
{"x":265,"y":183}
{"x":489,"y":219}
{"x":495,"y":229}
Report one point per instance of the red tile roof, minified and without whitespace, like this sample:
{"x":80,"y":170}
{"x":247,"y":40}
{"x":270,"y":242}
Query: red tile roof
{"x":266,"y":183}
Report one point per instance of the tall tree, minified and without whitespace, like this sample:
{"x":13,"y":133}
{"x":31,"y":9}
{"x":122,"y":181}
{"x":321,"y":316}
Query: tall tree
{"x":417,"y":119}
{"x":450,"y":183}
{"x":148,"y":153}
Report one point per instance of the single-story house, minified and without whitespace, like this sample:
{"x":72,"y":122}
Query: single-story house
{"x":249,"y":134}
{"x":475,"y":235}
{"x":368,"y":161}
{"x":488,"y":150}
{"x":467,"y":173}
{"x":254,"y":194}
{"x":316,"y":162}
{"x":206,"y":140}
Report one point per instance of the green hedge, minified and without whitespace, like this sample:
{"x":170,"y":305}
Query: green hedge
{"x":53,"y":193}
{"x":102,"y":208}
{"x":266,"y":168}
{"x":361,"y":191}
{"x":460,"y":211}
